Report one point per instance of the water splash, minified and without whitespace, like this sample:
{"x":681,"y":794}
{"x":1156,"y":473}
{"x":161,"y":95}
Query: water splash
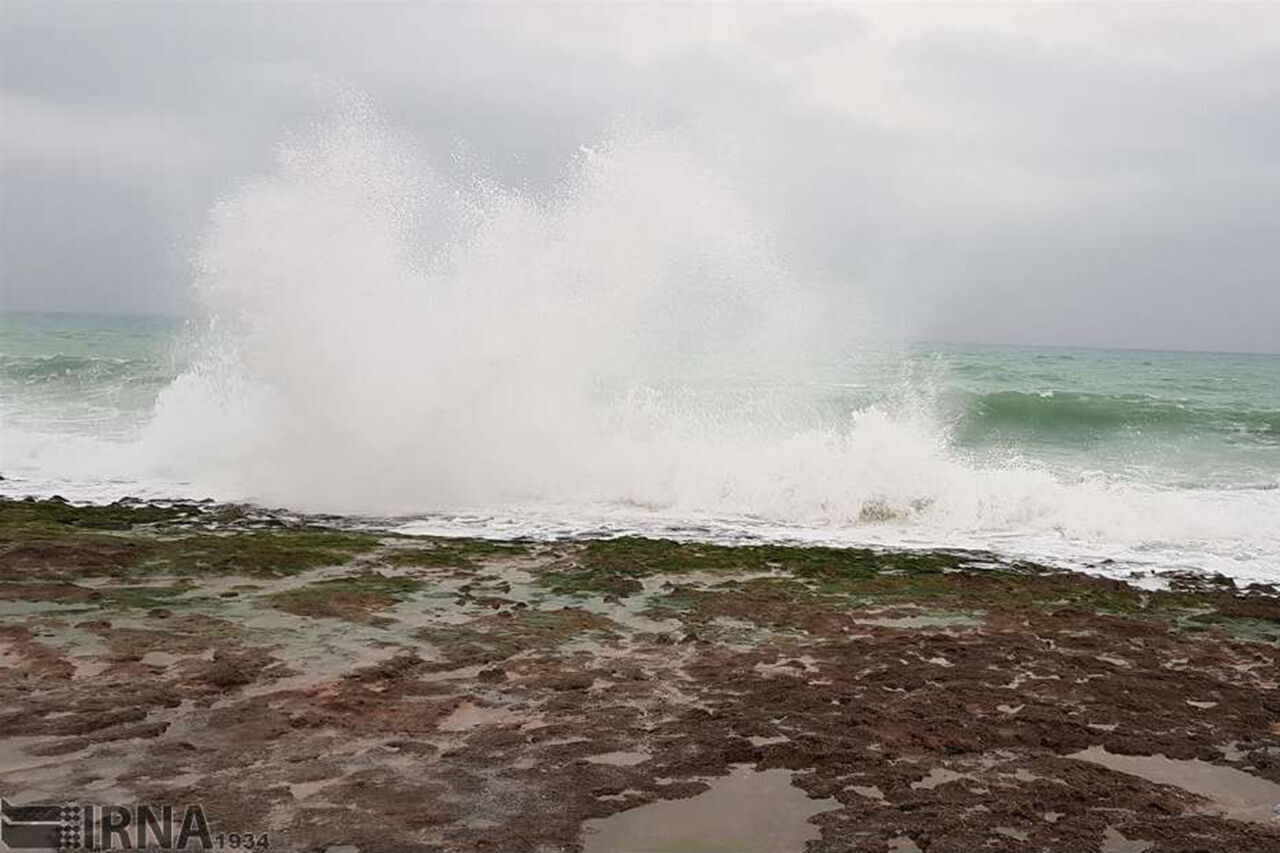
{"x":629,"y":353}
{"x":402,"y":342}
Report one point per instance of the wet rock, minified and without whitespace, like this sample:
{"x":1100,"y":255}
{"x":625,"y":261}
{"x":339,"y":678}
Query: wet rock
{"x":492,"y":675}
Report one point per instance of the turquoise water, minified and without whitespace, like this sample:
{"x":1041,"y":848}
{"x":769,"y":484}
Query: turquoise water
{"x":1176,"y":417}
{"x":92,"y":374}
{"x":1034,"y":450}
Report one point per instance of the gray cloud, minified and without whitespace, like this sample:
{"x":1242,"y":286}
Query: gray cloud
{"x":1046,"y":175}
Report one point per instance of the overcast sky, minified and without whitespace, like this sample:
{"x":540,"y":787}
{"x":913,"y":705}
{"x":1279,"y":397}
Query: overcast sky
{"x":1072,"y":175}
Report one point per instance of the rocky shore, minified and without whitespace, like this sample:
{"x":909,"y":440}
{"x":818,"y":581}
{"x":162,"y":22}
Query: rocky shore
{"x":333,"y":687}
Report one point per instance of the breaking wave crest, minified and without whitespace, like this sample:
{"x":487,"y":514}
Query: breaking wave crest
{"x":379,"y":338}
{"x":1084,"y":416}
{"x":72,"y":372}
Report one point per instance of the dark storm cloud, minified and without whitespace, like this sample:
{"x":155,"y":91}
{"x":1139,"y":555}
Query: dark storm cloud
{"x":1048,"y":174}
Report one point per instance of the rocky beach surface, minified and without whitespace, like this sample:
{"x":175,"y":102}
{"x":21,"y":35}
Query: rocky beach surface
{"x":332,"y":686}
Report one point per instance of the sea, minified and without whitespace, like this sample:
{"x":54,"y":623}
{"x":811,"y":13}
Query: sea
{"x":1121,"y":462}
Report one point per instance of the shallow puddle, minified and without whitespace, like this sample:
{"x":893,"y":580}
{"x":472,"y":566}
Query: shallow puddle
{"x":937,"y":776}
{"x":1114,"y":842}
{"x":1233,"y":793}
{"x":302,"y":790}
{"x":468,"y":716}
{"x":26,"y":608}
{"x":160,"y":660}
{"x":619,"y":759}
{"x":748,"y":811}
{"x":924,"y":620}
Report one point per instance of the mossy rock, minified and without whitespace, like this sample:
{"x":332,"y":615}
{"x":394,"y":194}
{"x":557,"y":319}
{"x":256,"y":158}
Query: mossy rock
{"x":354,"y":597}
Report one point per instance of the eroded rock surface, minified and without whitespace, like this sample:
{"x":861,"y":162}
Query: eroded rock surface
{"x":337,"y":687}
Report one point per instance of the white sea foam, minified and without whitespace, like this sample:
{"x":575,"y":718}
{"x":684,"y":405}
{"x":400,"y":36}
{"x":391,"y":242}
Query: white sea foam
{"x":380,"y":340}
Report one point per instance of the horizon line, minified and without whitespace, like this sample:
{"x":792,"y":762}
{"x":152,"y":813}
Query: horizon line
{"x":905,"y":341}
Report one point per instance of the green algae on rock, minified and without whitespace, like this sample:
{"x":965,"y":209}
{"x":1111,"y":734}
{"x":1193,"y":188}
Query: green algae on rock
{"x":444,"y":691}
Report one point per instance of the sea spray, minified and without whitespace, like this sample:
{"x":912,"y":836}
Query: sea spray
{"x":404,"y":342}
{"x":630,"y":353}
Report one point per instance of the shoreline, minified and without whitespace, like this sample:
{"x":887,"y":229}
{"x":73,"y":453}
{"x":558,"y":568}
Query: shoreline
{"x":516,"y":523}
{"x":331,"y":686}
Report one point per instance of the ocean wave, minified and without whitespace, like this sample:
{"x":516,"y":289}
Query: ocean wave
{"x":1064,"y":413}
{"x":381,"y":342}
{"x":74,"y":370}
